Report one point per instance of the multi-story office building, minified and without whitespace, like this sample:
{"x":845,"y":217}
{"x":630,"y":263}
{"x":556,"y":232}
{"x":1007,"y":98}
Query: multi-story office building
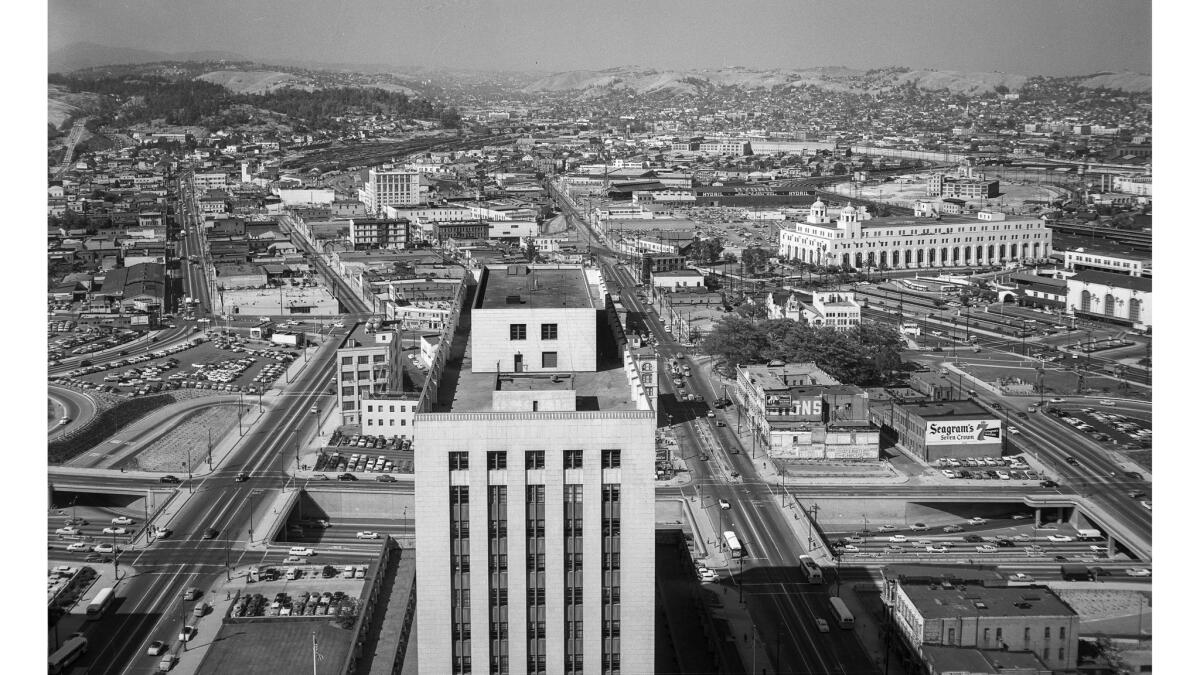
{"x":836,"y":310}
{"x":534,"y":486}
{"x":857,"y":240}
{"x":367,"y":365}
{"x":390,"y":187}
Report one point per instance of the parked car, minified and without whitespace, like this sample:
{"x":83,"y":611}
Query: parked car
{"x":187,"y":633}
{"x":169,"y":479}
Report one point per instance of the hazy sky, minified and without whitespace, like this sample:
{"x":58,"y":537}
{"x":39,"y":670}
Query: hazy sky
{"x":1050,"y":37}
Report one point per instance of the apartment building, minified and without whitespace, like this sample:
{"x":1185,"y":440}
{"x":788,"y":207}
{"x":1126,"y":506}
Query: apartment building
{"x":838,"y":311}
{"x":534,"y":487}
{"x":367,"y":366}
{"x":390,"y":187}
{"x":379,"y":233}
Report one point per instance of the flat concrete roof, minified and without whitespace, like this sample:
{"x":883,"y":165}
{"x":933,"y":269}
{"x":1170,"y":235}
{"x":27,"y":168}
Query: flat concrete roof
{"x":947,"y":409}
{"x":524,"y":286}
{"x":939,"y":602}
{"x":462,"y":390}
{"x":788,"y":375}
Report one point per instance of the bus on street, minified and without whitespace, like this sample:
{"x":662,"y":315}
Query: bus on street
{"x":812,"y":571}
{"x":842,"y":613}
{"x":70,"y":650}
{"x":99,"y":604}
{"x":735,"y":546}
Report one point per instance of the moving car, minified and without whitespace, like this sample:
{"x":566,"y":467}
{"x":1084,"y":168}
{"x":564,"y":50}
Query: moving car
{"x":897,"y":538}
{"x":367,"y":535}
{"x":169,"y":479}
{"x":114,"y":530}
{"x":1058,"y":538}
{"x":347,"y":476}
{"x":724,"y":504}
{"x":157,"y":647}
{"x":977,"y":520}
{"x":887,"y":528}
{"x":706,"y":575}
{"x":122,"y":520}
{"x":1020,"y":576}
{"x":191,"y":593}
{"x":77,"y":546}
{"x":822,"y":625}
{"x":385,"y":478}
{"x":240,"y":477}
{"x":952,"y":528}
{"x":68,"y":530}
{"x":919,"y":527}
{"x":1138,"y":572}
{"x":210,"y":533}
{"x":103,"y":548}
{"x":936,"y":549}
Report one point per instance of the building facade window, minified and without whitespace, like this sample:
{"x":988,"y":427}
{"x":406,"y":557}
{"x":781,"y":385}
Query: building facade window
{"x":535,"y":573}
{"x":460,"y":579}
{"x":535,"y":459}
{"x":610,"y":595}
{"x":459,"y":460}
{"x":549,"y":331}
{"x":498,"y":576}
{"x":497,"y":459}
{"x":572,"y":459}
{"x":516,"y":331}
{"x":610,"y":459}
{"x":549,"y":359}
{"x":573,"y":579}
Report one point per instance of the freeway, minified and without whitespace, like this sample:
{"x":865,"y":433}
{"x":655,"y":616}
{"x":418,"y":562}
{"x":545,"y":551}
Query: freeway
{"x":217,"y":501}
{"x":75,"y":406}
{"x":1095,"y":475}
{"x":783,"y":606}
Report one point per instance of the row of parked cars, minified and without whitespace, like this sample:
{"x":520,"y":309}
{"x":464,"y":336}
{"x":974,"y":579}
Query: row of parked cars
{"x":355,"y":463}
{"x":340,"y":440}
{"x":311,"y":603}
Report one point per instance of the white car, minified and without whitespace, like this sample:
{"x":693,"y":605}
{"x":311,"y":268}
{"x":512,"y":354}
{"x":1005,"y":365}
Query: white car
{"x":949,"y":474}
{"x":897,"y":538}
{"x":68,"y":530}
{"x":724,"y":504}
{"x":102,"y":548}
{"x":887,"y":528}
{"x":977,"y":520}
{"x":1020,"y":576}
{"x":1105,"y":401}
{"x":77,"y":546}
{"x":115,"y":530}
{"x":187,"y":633}
{"x":367,"y":535}
{"x":706,"y":575}
{"x":1057,"y":400}
{"x":936,"y":549}
{"x":339,"y":324}
{"x":986,"y":548}
{"x":1058,"y":538}
{"x":822,"y":625}
{"x":1098,"y":549}
{"x":1138,"y":572}
{"x":850,"y":548}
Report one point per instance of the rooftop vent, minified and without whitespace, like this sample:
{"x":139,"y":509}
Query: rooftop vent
{"x":1022,"y":605}
{"x":512,"y":300}
{"x":980,"y":605}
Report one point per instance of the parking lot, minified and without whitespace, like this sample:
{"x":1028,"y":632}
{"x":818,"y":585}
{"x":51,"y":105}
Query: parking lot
{"x":218,"y":364}
{"x":350,"y":452}
{"x":1106,"y":426}
{"x":988,"y":468}
{"x":67,"y":341}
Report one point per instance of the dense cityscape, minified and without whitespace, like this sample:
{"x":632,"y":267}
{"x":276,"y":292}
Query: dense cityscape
{"x":812,"y":370}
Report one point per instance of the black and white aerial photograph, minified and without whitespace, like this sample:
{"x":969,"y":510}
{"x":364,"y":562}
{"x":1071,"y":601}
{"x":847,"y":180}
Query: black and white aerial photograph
{"x":549,"y":337}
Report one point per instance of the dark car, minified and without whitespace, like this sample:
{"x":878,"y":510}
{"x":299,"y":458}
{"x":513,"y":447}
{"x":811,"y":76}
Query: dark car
{"x":1049,"y":484}
{"x":1060,"y":558}
{"x":1133,"y":475}
{"x":385,"y":478}
{"x":169,"y":479}
{"x":974,"y":538}
{"x":964,"y":474}
{"x":210,"y":533}
{"x":241,"y":476}
{"x":347,"y":476}
{"x":1004,"y":542}
{"x":1072,"y":461}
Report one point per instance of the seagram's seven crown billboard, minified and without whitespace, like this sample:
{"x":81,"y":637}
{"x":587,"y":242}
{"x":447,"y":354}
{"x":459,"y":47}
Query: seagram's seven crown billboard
{"x":962,"y":432}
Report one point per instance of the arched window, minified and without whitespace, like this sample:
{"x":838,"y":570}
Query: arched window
{"x":1110,"y":304}
{"x":1085,"y":301}
{"x":1135,"y":310}
{"x":920,"y":256}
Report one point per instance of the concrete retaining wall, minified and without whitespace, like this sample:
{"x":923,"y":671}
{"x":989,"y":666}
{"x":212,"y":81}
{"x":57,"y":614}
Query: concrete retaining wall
{"x":840,"y":513}
{"x":382,"y":503}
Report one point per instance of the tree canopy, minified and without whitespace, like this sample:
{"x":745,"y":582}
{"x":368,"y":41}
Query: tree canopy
{"x":866,"y":355}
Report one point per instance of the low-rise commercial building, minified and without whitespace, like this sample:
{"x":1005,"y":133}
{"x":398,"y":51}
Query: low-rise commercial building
{"x":946,"y":429}
{"x":933,"y":618}
{"x":1117,"y":298}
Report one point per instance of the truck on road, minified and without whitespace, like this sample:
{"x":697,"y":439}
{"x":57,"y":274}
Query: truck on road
{"x":1084,"y":534}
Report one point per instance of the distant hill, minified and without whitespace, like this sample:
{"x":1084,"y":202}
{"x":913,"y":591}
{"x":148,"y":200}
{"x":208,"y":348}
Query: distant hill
{"x":1131,"y":82}
{"x":88,"y":55}
{"x":251,"y":81}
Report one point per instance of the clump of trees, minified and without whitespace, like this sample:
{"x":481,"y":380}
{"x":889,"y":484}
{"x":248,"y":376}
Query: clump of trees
{"x":866,"y":355}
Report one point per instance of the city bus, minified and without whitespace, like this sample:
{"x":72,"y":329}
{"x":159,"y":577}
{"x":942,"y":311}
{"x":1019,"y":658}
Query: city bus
{"x":842,"y":613}
{"x":99,"y":604}
{"x":70,"y":650}
{"x":811,"y":570}
{"x":735,"y":546}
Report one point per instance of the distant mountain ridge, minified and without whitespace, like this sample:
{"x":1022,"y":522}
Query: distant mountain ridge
{"x":592,"y":83}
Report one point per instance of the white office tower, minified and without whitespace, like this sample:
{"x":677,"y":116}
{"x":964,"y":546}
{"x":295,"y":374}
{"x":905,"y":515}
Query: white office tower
{"x":535,"y":487}
{"x":389,"y":187}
